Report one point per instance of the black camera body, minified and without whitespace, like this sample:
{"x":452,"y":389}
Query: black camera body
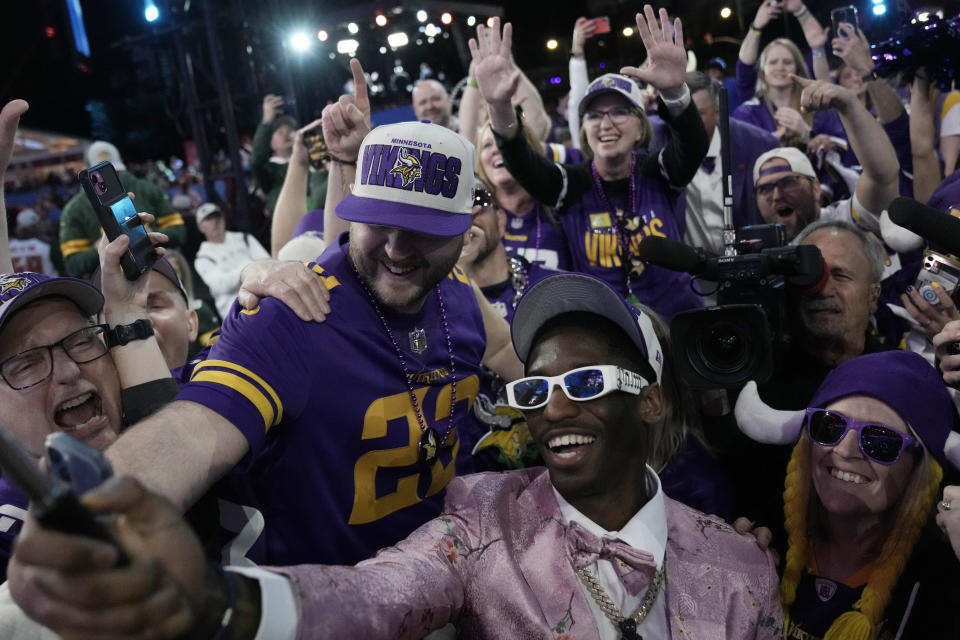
{"x":929,"y":45}
{"x":737,"y":340}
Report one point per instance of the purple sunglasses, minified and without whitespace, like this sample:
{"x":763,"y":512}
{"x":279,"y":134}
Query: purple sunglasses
{"x":878,"y":442}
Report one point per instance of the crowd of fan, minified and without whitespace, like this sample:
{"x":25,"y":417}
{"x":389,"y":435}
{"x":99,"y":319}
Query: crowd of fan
{"x":301,"y":445}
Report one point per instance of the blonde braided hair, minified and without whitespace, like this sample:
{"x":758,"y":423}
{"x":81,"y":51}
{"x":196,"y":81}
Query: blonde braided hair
{"x":909,"y":517}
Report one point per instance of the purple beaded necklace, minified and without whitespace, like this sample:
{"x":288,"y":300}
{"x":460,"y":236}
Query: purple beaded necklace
{"x":430,"y":441}
{"x":632,"y":205}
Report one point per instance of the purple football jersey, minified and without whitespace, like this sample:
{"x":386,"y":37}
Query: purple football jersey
{"x":333,"y":462}
{"x":594,"y":242}
{"x":13,"y":511}
{"x":537,"y":239}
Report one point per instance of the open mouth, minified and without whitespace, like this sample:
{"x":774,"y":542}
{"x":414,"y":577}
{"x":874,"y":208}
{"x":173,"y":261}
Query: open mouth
{"x":784,"y":212}
{"x":847,"y":476}
{"x":609,"y":138}
{"x":498,"y":163}
{"x":570,"y":445}
{"x":79,"y":412}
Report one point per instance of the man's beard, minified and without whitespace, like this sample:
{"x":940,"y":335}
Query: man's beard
{"x":407,"y":298}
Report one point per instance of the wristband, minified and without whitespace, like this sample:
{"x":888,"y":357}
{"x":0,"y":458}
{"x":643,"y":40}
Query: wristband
{"x":818,"y":52}
{"x":870,"y":77}
{"x":342,"y":161}
{"x":754,"y":28}
{"x":574,"y":54}
{"x":124,"y":333}
{"x":803,"y":11}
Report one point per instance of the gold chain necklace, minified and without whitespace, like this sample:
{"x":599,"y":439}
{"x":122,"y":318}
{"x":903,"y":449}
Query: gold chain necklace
{"x":628,"y":626}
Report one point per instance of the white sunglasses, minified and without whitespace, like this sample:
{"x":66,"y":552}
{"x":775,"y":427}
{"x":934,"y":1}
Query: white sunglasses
{"x":580,"y":385}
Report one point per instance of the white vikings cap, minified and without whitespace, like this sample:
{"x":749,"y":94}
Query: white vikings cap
{"x":798,"y":161}
{"x":611,"y":83}
{"x":413,"y":175}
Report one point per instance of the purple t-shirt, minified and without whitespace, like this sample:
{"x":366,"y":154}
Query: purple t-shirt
{"x":13,"y":511}
{"x":537,"y":239}
{"x":333,"y":460}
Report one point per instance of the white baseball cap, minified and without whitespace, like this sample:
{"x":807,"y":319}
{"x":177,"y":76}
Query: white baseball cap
{"x":413,"y":175}
{"x":102,"y":151}
{"x":612,"y":83}
{"x":798,"y":161}
{"x":206,"y":210}
{"x":27,"y":218}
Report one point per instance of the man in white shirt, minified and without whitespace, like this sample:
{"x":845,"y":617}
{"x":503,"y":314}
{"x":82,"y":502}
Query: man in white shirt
{"x":589,"y":546}
{"x":28,"y":251}
{"x":223,"y":255}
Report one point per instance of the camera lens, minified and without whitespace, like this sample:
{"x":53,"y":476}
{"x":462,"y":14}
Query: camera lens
{"x":723,"y":348}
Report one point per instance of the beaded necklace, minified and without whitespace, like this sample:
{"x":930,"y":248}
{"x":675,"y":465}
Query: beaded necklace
{"x":518,"y":279}
{"x":623,"y":240}
{"x":430,"y":441}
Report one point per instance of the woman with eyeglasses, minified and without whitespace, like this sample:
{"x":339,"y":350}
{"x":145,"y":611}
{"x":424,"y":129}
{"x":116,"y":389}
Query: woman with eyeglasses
{"x":624,"y":194}
{"x":864,"y":558}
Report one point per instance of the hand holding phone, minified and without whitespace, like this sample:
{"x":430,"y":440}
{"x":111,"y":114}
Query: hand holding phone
{"x":602,"y":25}
{"x":118,"y":216}
{"x":842,"y":15}
{"x":316,"y":147}
{"x":78,"y":465}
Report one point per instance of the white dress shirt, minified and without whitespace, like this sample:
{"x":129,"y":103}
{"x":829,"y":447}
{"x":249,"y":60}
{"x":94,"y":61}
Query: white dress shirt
{"x":705,"y":204}
{"x":646,"y":531}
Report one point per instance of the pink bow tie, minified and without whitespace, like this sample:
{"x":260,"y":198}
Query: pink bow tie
{"x":635,"y":568}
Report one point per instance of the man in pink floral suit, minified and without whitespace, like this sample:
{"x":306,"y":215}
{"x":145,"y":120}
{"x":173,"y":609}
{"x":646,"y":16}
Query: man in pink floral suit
{"x":587,"y":548}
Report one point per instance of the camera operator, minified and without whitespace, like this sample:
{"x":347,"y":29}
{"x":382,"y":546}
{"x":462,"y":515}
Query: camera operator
{"x":785,"y":183}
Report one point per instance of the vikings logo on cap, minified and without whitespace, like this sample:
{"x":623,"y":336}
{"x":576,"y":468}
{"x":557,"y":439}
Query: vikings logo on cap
{"x":416,"y":176}
{"x":13,"y":285}
{"x":612,"y":83}
{"x":407,"y":166}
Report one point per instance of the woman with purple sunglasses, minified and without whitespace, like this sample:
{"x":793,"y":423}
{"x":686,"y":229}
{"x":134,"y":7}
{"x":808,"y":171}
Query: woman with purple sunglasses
{"x":865,"y":559}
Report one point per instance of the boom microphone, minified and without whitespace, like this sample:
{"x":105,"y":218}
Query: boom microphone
{"x":940,"y":229}
{"x":671,"y":254}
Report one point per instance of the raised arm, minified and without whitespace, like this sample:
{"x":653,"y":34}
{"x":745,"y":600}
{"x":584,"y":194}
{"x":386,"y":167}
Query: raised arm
{"x":815,"y":34}
{"x":750,"y":47}
{"x":855,"y":52}
{"x":579,"y":79}
{"x":926,"y":166}
{"x":345,"y":124}
{"x":9,"y":119}
{"x":292,"y":201}
{"x":879,"y":181}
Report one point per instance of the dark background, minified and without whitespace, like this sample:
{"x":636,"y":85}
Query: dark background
{"x":130,"y":90}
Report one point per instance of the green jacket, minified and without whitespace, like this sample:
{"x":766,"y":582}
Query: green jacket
{"x":270,"y":175}
{"x":80,"y":228}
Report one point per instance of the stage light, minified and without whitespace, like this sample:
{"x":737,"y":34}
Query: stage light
{"x":923,"y":16}
{"x":556,"y":80}
{"x":383,"y":50}
{"x":490,"y":22}
{"x":51,"y":32}
{"x":353,"y":28}
{"x":299,"y":41}
{"x":422,"y":15}
{"x":430,"y":30}
{"x":471,"y":20}
{"x":628,"y":31}
{"x":551,"y":44}
{"x":322,"y":35}
{"x":398,"y":39}
{"x":879,"y":9}
{"x":347,"y":46}
{"x":381,"y":20}
{"x":446,"y":18}
{"x":150,"y":12}
{"x":726,"y":12}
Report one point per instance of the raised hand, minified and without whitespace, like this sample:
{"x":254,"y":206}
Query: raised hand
{"x":497,"y":76}
{"x":853,"y":48}
{"x":583,"y":29}
{"x":271,"y":107}
{"x":930,"y":319}
{"x":347,"y":121}
{"x":9,"y":119}
{"x":819,"y":95}
{"x":666,"y":64}
{"x":791,"y":122}
{"x":124,"y":298}
{"x":766,"y":13}
{"x":299,"y":155}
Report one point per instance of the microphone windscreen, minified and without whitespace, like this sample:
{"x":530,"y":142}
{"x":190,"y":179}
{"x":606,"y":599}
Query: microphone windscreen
{"x":670,"y":254}
{"x":940,"y":229}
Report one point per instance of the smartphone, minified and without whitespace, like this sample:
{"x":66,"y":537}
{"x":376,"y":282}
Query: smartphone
{"x":316,"y":146}
{"x":846,"y":14}
{"x":52,"y":502}
{"x":603,"y":25}
{"x":78,"y":465}
{"x":774,"y":3}
{"x":117,"y":216}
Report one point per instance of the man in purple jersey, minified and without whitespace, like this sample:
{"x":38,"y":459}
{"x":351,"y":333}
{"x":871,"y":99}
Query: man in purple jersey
{"x":344,"y":431}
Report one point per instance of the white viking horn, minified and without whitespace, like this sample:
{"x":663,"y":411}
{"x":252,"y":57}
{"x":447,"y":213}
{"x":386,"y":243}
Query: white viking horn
{"x":761,"y":422}
{"x":952,"y":449}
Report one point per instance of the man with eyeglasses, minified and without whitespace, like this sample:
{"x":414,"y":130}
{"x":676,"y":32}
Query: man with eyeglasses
{"x":786,"y":185}
{"x":589,"y":546}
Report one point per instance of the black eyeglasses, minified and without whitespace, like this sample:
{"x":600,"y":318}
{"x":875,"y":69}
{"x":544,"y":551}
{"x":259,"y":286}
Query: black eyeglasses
{"x":482,"y":198}
{"x":33,"y":366}
{"x":787,"y":183}
{"x":878,"y":442}
{"x":618,"y":115}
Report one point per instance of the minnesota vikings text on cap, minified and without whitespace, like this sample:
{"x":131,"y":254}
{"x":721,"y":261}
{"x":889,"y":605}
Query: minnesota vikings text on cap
{"x":402,"y":167}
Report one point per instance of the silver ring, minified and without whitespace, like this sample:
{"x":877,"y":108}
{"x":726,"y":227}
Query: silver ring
{"x":945,"y":505}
